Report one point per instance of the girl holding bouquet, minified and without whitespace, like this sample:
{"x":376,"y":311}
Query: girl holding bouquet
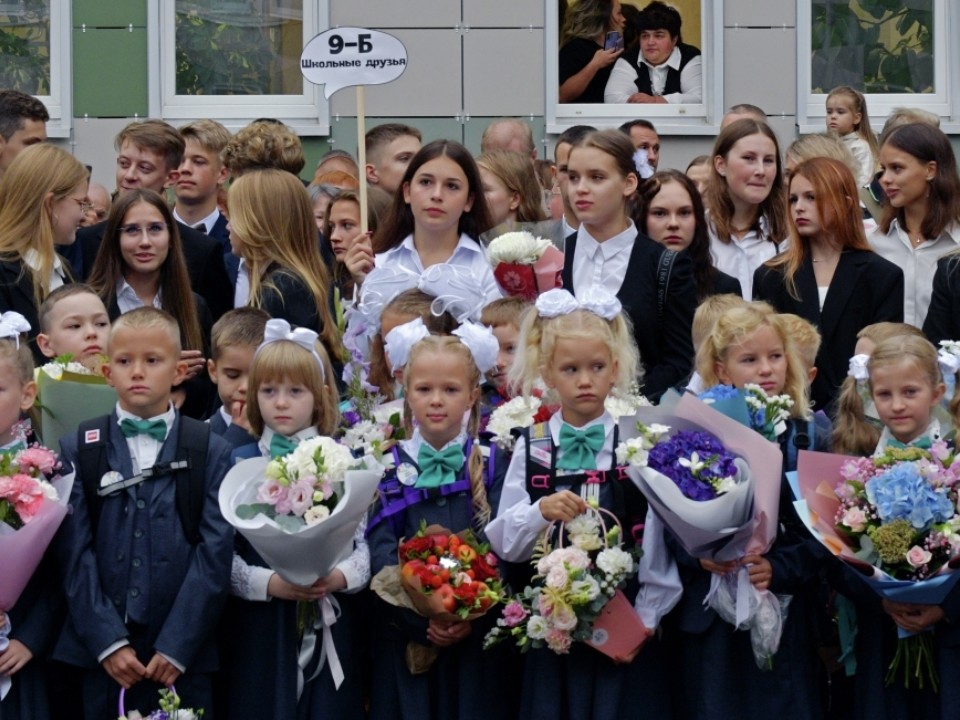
{"x":291,"y":379}
{"x":439,"y":478}
{"x":750,"y":345}
{"x":582,"y":348}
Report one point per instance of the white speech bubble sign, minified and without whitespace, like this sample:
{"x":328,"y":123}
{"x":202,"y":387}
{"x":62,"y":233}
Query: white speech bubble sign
{"x":345,"y":56}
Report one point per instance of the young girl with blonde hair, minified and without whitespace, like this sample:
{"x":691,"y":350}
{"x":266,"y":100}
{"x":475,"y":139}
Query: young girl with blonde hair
{"x":847,"y":117}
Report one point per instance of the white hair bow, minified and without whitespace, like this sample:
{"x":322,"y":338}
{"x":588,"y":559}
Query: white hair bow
{"x":554,"y":303}
{"x":482,"y":344}
{"x":641,"y":161}
{"x":399,"y":341}
{"x":278,"y":329}
{"x":380,"y":287}
{"x":12,"y":324}
{"x":949,"y":357}
{"x":858,"y":368}
{"x":457,"y":291}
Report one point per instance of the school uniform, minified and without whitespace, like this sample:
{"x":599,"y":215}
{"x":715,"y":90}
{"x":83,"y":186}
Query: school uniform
{"x":465,"y":682}
{"x":865,"y":289}
{"x":222,"y":424}
{"x":661,"y":325}
{"x":270,"y":635}
{"x":137,"y":580}
{"x":943,"y":317}
{"x":586,"y":684}
{"x":16,"y":293}
{"x":215,"y":225}
{"x":740,"y":257}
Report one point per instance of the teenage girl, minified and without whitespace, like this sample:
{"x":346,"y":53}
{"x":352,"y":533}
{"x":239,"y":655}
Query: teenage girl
{"x":342,"y":227}
{"x":750,"y":344}
{"x":748,"y":214}
{"x":437,"y":215}
{"x":293,"y":400}
{"x":829,"y":274}
{"x":140,"y":263}
{"x":660,"y":297}
{"x":510,"y":187}
{"x":582,"y":349}
{"x":439,"y":477}
{"x":847,"y":117}
{"x":670,"y":212}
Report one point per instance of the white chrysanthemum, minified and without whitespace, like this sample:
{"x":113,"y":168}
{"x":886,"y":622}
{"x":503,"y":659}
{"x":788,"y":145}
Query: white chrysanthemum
{"x":315,"y":514}
{"x":620,"y":404}
{"x":537,"y":627}
{"x":516,"y":413}
{"x":364,"y":436}
{"x":614,"y":561}
{"x":516,"y":248}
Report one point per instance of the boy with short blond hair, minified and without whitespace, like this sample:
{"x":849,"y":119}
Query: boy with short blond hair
{"x":145,"y":554}
{"x":74,"y":321}
{"x":503,"y":317}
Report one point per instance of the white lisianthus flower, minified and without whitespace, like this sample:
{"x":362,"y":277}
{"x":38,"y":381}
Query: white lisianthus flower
{"x":516,"y":248}
{"x":315,"y":514}
{"x":587,"y":589}
{"x":274,"y":470}
{"x":537,"y":627}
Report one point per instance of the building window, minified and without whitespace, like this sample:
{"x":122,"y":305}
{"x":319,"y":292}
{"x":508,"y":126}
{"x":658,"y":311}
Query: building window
{"x":240,"y":59}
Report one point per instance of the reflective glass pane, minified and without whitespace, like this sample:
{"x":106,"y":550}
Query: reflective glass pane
{"x":239,"y":47}
{"x":877,"y":46}
{"x":25,"y":46}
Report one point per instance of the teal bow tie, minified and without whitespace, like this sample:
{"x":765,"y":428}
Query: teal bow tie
{"x":281,"y":445}
{"x":438,"y":468}
{"x":14,"y":447}
{"x":923,"y":442}
{"x":579,"y":448}
{"x":157,"y":429}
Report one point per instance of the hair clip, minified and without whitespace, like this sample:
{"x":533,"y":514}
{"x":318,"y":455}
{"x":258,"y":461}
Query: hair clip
{"x":278,"y":329}
{"x":482,"y":344}
{"x":641,"y":161}
{"x":858,"y":368}
{"x":12,"y":324}
{"x":457,"y":291}
{"x":595,"y":299}
{"x":399,"y":341}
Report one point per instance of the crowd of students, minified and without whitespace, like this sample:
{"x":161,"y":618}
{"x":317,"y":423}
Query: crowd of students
{"x":226,"y":308}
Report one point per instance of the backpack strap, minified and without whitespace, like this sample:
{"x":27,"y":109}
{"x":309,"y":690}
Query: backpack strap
{"x":664,"y":270}
{"x":800,"y":437}
{"x":92,"y":437}
{"x":193,"y":441}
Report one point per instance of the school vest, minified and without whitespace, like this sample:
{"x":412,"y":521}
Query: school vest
{"x":687,"y":53}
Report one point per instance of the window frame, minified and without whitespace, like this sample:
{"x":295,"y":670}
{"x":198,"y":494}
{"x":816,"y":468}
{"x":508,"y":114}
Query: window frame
{"x":669,"y":119}
{"x":945,"y":103}
{"x":307,"y":113}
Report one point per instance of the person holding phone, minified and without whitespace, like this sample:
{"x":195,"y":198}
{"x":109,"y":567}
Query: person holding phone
{"x":588,"y":49}
{"x":662,"y":68}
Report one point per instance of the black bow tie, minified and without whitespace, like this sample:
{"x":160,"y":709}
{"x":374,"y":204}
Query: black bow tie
{"x":201,"y":227}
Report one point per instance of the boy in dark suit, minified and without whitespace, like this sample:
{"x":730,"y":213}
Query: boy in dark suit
{"x":233,"y":342}
{"x":145,"y":553}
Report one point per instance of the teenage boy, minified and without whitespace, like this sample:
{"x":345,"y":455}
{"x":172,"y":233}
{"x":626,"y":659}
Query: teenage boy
{"x":200,"y":180}
{"x":148,"y":156}
{"x":390,"y":148}
{"x":145,"y":554}
{"x":23,"y":122}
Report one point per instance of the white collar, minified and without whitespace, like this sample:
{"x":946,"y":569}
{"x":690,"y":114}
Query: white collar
{"x":610,"y":247}
{"x":556,"y":422}
{"x":208,"y":222}
{"x":464,"y":242}
{"x":932,"y":432}
{"x":126,"y":289}
{"x":672,"y":62}
{"x":227,"y":417}
{"x":412,"y":446}
{"x":298,"y":437}
{"x":168,"y":417}
{"x":31,"y":258}
{"x":950,"y":232}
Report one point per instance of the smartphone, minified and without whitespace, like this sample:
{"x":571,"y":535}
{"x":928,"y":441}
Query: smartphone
{"x":613,"y":41}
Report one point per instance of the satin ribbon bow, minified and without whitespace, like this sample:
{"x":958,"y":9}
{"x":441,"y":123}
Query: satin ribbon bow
{"x":595,"y":299}
{"x":482,"y":344}
{"x":579,"y":448}
{"x":279,"y":329}
{"x":438,"y":468}
{"x":12,"y":324}
{"x":157,"y":429}
{"x":281,"y":445}
{"x":400,"y":341}
{"x":924,"y":443}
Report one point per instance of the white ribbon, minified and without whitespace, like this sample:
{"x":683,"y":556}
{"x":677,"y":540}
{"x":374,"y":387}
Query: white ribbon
{"x":595,"y":299}
{"x":949,"y":357}
{"x":401,"y":340}
{"x":278,"y":329}
{"x":328,"y":613}
{"x":12,"y":324}
{"x":481,"y":342}
{"x":641,"y":161}
{"x":457,"y":291}
{"x":858,"y":368}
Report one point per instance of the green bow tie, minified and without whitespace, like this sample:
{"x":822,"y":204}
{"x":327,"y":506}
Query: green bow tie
{"x":438,"y":468}
{"x":923,"y":442}
{"x":281,"y":445}
{"x":579,"y":448}
{"x":157,"y":429}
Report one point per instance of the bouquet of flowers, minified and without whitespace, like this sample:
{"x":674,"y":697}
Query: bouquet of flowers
{"x":69,"y":392}
{"x":576,"y":595}
{"x":169,"y":709}
{"x":33,"y":503}
{"x":524,"y":265}
{"x":449,"y":576}
{"x":716,"y":486}
{"x":892,"y":517}
{"x":374,"y":435}
{"x":767,"y":414}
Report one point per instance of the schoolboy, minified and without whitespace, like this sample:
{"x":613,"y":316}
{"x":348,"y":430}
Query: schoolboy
{"x":145,"y":553}
{"x":704,"y":319}
{"x":503,"y":317}
{"x":234,"y":340}
{"x":74,"y":320}
{"x":390,"y":148}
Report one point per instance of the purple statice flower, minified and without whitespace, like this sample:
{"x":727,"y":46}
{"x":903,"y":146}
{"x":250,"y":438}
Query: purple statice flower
{"x":718,"y":463}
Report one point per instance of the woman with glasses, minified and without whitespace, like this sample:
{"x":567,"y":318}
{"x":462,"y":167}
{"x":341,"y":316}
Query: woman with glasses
{"x":43,"y":198}
{"x":140,"y":263}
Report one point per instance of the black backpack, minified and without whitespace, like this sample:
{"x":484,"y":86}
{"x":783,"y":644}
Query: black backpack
{"x":193,"y":440}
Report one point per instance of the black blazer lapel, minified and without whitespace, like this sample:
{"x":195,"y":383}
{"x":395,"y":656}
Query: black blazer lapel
{"x":845,"y":282}
{"x":806,"y":281}
{"x":570,"y":249}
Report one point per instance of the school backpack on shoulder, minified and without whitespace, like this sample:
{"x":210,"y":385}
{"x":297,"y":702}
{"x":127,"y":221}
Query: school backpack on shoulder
{"x":664,"y":270}
{"x":193,"y":441}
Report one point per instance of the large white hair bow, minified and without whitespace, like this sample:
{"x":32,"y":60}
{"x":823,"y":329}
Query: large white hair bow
{"x":278,"y":329}
{"x":457,"y":291}
{"x":481,"y":342}
{"x":399,"y":341}
{"x":858,"y":368}
{"x":380,"y":287}
{"x":554,"y":303}
{"x":12,"y":324}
